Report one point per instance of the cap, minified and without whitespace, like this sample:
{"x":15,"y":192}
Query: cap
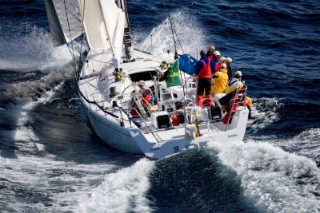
{"x":141,"y":83}
{"x":222,"y":58}
{"x":229,"y":59}
{"x":238,"y":73}
{"x":224,"y":65}
{"x":216,"y":53}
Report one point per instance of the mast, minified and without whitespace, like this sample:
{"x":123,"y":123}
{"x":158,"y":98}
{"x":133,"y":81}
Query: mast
{"x":127,"y":30}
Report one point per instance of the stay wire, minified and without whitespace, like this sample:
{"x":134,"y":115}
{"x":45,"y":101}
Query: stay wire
{"x":82,"y":29}
{"x":174,"y":33}
{"x":69,"y":28}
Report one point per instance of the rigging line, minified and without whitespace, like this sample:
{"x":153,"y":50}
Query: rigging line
{"x":174,"y":42}
{"x":173,"y":31}
{"x":73,"y":55}
{"x":82,"y":29}
{"x":178,"y":38}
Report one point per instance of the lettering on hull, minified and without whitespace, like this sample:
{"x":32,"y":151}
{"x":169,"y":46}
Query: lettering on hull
{"x":176,"y":149}
{"x":232,"y":136}
{"x":202,"y":145}
{"x":154,"y":148}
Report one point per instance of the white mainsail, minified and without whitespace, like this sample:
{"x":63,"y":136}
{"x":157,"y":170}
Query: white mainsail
{"x":104,"y":24}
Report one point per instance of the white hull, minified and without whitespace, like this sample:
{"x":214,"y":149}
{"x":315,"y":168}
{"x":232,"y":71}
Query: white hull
{"x":133,"y":140}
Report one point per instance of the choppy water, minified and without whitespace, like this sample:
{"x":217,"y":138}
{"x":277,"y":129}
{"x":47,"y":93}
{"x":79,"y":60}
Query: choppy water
{"x":50,"y":161}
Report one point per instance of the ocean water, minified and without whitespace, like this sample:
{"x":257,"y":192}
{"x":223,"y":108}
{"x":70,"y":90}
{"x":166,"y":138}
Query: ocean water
{"x":50,"y":161}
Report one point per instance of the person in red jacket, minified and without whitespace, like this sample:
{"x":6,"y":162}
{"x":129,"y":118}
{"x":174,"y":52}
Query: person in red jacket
{"x":144,"y":92}
{"x":204,"y":70}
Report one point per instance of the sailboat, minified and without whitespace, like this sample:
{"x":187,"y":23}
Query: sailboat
{"x":113,"y":76}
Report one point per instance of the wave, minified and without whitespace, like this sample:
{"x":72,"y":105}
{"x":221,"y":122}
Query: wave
{"x":275,"y":180}
{"x":235,"y":177}
{"x":31,"y":49}
{"x":122,"y":191}
{"x":41,"y":182}
{"x":304,"y":144}
{"x":21,"y":93}
{"x":160,"y":39}
{"x":32,"y":89}
{"x":266,"y":112}
{"x":195,"y":181}
{"x":274,"y":115}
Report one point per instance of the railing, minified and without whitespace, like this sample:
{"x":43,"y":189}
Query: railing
{"x":96,"y":104}
{"x":236,"y":101}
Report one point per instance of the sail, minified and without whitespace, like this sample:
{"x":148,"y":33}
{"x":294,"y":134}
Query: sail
{"x":64,"y":20}
{"x":104,"y":24}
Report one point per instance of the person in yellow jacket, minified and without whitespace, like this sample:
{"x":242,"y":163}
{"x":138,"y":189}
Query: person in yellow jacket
{"x":235,"y":83}
{"x":219,"y":82}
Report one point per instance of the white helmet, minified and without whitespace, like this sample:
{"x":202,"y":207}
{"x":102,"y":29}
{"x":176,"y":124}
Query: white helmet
{"x":216,"y":53}
{"x":229,"y":59}
{"x":238,"y":73}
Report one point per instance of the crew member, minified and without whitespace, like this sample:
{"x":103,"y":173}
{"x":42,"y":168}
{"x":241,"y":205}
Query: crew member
{"x":210,"y":55}
{"x":144,"y":92}
{"x":229,"y":67}
{"x":219,"y":82}
{"x":140,"y":106}
{"x":217,"y":55}
{"x":235,"y":83}
{"x":204,"y":69}
{"x":220,"y":61}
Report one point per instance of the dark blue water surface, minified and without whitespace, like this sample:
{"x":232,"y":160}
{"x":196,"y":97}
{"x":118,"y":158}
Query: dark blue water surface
{"x":52,"y":162}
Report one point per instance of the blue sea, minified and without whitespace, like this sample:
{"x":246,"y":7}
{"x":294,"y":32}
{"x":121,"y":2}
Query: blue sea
{"x":51,"y":161}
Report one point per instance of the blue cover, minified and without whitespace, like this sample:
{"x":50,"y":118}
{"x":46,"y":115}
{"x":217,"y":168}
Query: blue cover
{"x":187,"y":64}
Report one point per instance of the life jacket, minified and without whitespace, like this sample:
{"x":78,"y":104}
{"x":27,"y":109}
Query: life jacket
{"x":175,"y":120}
{"x":218,"y":65}
{"x":233,"y":84}
{"x":146,"y":94}
{"x":218,"y":84}
{"x":205,"y":71}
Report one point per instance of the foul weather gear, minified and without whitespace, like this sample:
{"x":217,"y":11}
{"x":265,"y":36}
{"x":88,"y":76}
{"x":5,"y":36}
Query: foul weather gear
{"x":219,"y":81}
{"x":233,"y":83}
